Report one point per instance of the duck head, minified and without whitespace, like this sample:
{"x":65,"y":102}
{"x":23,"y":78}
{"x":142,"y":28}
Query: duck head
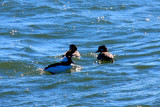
{"x":102,"y":49}
{"x":73,"y":47}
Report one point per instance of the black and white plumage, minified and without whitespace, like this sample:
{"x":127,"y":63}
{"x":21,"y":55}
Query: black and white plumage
{"x":104,"y":54}
{"x":73,"y":48}
{"x":62,"y":66}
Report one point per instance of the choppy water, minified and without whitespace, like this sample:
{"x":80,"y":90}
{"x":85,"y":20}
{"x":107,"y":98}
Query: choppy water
{"x":34,"y":33}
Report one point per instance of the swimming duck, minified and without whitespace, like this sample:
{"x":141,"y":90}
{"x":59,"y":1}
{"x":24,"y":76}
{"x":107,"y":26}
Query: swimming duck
{"x":62,"y":66}
{"x":73,"y":48}
{"x":104,"y":54}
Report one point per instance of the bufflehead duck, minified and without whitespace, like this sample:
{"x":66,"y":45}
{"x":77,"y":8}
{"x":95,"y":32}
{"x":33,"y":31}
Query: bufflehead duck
{"x":62,"y":66}
{"x":104,"y":54}
{"x":73,"y":48}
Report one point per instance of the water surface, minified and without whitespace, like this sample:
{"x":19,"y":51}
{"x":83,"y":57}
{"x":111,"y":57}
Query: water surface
{"x":35,"y":33}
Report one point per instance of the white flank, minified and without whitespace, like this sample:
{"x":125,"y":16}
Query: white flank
{"x":58,"y":69}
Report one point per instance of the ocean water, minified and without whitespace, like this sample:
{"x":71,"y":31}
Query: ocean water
{"x":35,"y":33}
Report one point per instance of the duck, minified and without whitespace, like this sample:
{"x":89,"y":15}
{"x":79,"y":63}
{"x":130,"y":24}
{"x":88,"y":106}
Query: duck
{"x":63,"y":66}
{"x":73,"y":48}
{"x":104,"y":55}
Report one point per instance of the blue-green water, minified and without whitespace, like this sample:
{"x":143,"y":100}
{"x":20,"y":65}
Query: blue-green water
{"x":34,"y":33}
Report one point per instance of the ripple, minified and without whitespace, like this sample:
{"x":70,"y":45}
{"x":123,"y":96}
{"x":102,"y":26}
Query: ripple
{"x":3,"y":94}
{"x":144,"y":67}
{"x":56,"y":84}
{"x":149,"y":30}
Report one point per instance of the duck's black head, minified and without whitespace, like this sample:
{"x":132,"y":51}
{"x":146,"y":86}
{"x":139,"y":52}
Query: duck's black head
{"x":102,"y":49}
{"x":73,"y":47}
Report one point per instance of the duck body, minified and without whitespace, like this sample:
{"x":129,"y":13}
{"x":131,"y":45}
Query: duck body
{"x":62,"y":66}
{"x":76,"y":54}
{"x":104,"y":54}
{"x":58,"y":68}
{"x":74,"y":50}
